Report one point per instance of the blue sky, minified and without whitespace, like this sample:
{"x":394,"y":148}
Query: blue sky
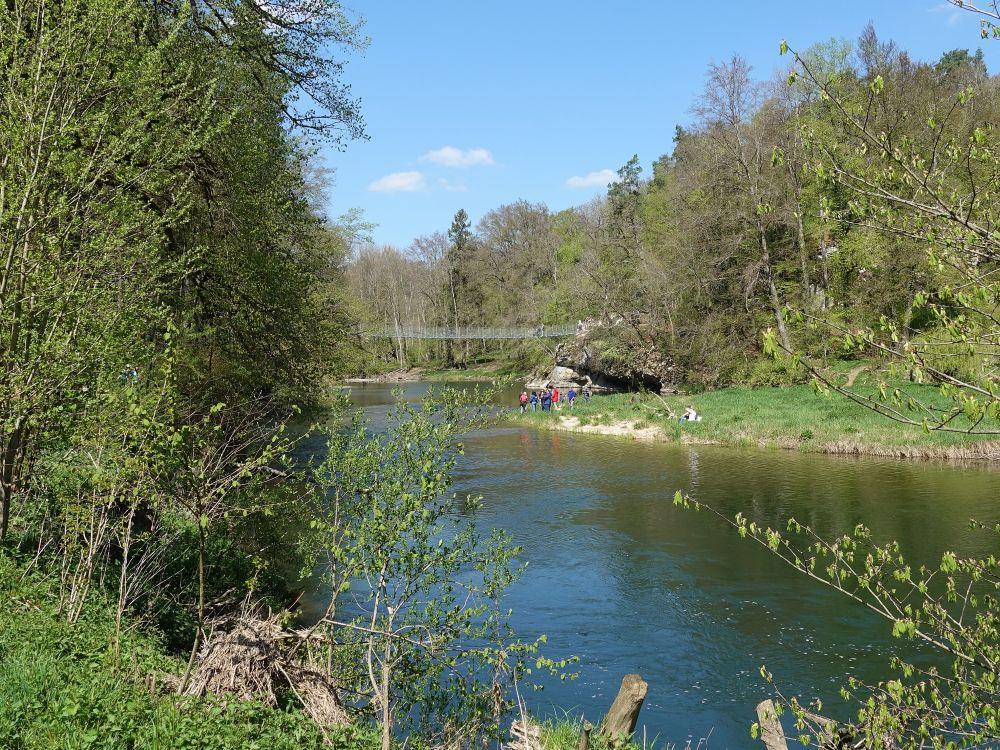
{"x":474,"y":104}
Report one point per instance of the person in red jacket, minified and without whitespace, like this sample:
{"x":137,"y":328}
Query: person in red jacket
{"x":555,"y":399}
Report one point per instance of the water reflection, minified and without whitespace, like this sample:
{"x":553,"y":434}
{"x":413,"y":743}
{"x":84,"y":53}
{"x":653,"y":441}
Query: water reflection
{"x":619,"y":576}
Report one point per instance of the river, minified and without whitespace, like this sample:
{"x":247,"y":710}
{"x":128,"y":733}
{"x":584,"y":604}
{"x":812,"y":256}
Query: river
{"x":629,"y":583}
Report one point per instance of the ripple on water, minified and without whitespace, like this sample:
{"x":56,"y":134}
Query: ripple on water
{"x":619,"y":576}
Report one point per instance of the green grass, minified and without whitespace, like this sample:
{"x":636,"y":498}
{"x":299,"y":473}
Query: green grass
{"x":564,"y":734}
{"x":60,"y":687}
{"x":496,"y":371}
{"x":483,"y":368}
{"x":788,"y":417}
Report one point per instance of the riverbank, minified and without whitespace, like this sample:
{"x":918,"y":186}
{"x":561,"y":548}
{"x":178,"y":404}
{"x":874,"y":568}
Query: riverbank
{"x":480,"y":373}
{"x":792,"y":417}
{"x":411,"y":375}
{"x":64,"y":684}
{"x":107,"y":699}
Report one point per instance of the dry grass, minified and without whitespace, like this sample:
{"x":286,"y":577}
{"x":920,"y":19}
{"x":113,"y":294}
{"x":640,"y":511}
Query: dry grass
{"x":251,"y":657}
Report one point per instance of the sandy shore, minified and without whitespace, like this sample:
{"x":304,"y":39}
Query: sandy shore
{"x":396,"y":376}
{"x":974,"y":452}
{"x":649,"y":433}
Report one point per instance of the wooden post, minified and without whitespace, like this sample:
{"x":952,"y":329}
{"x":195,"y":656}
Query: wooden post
{"x":624,"y":712}
{"x":585,"y":736}
{"x":771,"y":733}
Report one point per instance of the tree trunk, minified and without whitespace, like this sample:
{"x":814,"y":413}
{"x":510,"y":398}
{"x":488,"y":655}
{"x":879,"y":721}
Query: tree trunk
{"x":825,"y":266}
{"x":400,"y":352}
{"x":772,"y":289}
{"x":624,"y":712}
{"x":201,"y":603}
{"x":771,"y":733}
{"x":384,"y":697}
{"x":10,"y":463}
{"x":803,"y":254}
{"x":776,"y":305}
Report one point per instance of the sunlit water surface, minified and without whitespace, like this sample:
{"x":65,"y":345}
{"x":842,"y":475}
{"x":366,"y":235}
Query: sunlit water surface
{"x":629,"y":583}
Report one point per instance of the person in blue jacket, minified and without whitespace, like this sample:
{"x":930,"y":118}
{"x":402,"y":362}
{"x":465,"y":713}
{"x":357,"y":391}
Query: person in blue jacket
{"x":534,"y":401}
{"x":546,"y":400}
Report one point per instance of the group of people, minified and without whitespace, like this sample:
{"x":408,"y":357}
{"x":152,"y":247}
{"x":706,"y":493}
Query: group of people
{"x":549,"y":398}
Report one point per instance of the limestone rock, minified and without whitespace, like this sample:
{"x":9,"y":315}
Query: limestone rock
{"x":613,"y":357}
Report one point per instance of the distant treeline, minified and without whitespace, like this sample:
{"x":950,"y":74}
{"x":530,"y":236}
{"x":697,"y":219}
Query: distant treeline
{"x":742,"y":224}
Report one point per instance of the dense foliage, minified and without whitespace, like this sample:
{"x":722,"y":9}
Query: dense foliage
{"x":170,"y":293}
{"x":848,"y":207}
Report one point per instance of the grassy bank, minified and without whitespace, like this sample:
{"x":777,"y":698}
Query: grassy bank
{"x":61,"y":685}
{"x":481,"y":372}
{"x":564,"y":734}
{"x":789,"y":417}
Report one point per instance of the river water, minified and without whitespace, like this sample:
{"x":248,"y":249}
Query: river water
{"x":629,"y":583}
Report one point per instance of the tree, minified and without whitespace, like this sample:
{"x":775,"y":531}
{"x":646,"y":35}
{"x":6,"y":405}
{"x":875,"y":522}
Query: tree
{"x":93,"y":174}
{"x":876,"y":57}
{"x":460,"y":237}
{"x":958,"y":67}
{"x":296,"y":42}
{"x":742,"y":145}
{"x":516,"y":252}
{"x":425,"y":587}
{"x":936,"y":186}
{"x":620,"y":243}
{"x":392,"y":286}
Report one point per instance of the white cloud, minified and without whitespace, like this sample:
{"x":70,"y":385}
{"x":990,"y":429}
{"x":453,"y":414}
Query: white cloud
{"x":452,"y":187}
{"x":592,"y":179}
{"x":955,"y":14}
{"x":449,"y":156}
{"x":399,"y":182}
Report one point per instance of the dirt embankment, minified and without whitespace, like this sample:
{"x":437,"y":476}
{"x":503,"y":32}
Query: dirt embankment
{"x":650,"y":433}
{"x":396,"y":376}
{"x":643,"y":431}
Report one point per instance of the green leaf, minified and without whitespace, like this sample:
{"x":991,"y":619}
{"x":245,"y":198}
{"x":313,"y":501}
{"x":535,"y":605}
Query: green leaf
{"x":949,"y":563}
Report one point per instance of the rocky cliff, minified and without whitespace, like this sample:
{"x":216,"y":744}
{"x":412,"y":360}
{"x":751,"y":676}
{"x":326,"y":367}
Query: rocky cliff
{"x":611,"y":358}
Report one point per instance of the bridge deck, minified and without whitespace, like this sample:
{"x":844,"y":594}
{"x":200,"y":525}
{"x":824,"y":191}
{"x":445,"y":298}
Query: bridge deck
{"x":472,"y":332}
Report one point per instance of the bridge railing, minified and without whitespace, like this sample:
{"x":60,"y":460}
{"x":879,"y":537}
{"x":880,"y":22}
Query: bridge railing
{"x":473,"y":332}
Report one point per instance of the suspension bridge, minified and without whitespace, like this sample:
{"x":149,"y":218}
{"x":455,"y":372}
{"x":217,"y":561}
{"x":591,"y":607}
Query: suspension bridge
{"x":473,"y":332}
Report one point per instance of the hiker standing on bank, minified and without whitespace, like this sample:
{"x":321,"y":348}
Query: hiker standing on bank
{"x":546,"y":400}
{"x":534,"y":401}
{"x":555,"y":399}
{"x":523,"y":400}
{"x":571,"y":396}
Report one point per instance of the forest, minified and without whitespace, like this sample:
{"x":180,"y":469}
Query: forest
{"x":780,"y":207}
{"x":177,"y":465}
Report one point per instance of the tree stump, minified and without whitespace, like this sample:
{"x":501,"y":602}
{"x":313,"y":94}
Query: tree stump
{"x":524,"y":736}
{"x":771,"y":733}
{"x":624,"y":712}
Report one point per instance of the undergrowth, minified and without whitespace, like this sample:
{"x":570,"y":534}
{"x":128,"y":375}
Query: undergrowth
{"x":60,"y":686}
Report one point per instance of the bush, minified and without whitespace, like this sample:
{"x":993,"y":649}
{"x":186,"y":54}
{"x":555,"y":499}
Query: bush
{"x":768,"y":372}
